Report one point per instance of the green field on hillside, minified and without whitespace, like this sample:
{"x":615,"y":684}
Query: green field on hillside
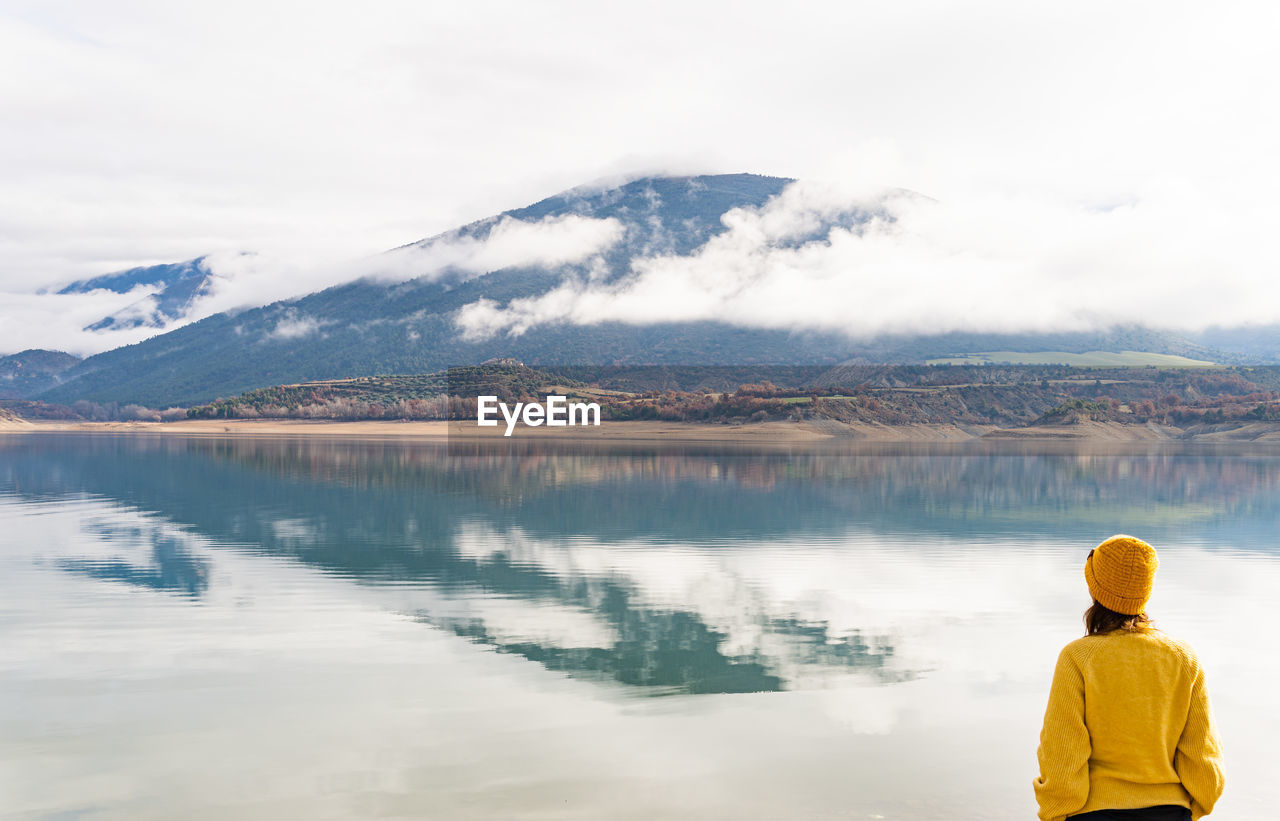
{"x":1090,"y":359}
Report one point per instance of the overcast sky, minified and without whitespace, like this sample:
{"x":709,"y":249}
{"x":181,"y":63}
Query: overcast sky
{"x":142,"y":132}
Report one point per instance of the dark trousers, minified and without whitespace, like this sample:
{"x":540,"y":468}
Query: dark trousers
{"x":1165,"y":812}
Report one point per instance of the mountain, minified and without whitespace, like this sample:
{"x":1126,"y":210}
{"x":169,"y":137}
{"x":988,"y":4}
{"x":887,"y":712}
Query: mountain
{"x":404,"y":323}
{"x":371,"y":327}
{"x":29,"y":372}
{"x":176,"y":285}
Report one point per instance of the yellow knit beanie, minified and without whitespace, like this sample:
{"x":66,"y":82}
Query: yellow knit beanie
{"x":1120,"y":572}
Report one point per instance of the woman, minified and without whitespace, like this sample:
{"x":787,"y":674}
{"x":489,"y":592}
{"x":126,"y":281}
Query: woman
{"x":1128,"y":733}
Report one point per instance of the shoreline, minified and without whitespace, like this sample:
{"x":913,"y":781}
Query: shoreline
{"x":805,"y":432}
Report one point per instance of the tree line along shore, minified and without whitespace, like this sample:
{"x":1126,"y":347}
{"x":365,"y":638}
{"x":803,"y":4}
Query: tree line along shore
{"x":991,"y":397}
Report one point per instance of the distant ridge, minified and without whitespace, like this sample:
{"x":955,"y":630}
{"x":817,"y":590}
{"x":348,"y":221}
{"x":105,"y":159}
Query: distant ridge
{"x":31,"y":371}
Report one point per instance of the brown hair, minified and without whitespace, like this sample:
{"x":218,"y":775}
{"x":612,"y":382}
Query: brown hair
{"x":1099,"y":619}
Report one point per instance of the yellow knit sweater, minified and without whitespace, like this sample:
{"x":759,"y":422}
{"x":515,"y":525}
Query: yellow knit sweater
{"x":1128,"y":725}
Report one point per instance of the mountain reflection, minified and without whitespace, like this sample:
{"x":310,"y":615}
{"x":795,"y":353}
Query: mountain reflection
{"x":166,"y":564}
{"x":521,"y":547}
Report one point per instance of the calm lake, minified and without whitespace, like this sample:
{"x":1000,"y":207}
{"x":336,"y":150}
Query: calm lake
{"x":300,"y":628}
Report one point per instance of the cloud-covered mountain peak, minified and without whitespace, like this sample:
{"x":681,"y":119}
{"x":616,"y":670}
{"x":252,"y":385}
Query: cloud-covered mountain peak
{"x":169,"y":292}
{"x":596,"y":229}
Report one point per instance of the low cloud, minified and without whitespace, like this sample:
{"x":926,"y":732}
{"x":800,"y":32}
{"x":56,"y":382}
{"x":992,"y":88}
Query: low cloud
{"x":548,"y":243}
{"x":247,"y":280}
{"x":57,"y":321}
{"x":1169,"y":256}
{"x":294,"y":326}
{"x":239,"y":280}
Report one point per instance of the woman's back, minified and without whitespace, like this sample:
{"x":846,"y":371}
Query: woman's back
{"x":1128,"y":723}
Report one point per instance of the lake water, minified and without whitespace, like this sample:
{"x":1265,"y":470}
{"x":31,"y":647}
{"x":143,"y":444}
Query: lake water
{"x":206,"y":628}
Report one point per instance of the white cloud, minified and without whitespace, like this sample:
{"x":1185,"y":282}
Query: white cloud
{"x":143,"y":311}
{"x":1170,"y":257}
{"x":56,"y":321}
{"x":294,"y":326}
{"x":548,"y":243}
{"x":240,"y":280}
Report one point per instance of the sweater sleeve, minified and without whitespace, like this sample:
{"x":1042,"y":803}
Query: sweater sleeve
{"x":1198,"y":758}
{"x":1063,"y":785}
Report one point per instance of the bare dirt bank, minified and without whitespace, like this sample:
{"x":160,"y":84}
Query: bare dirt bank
{"x":1092,"y":431}
{"x":252,"y":427}
{"x":649,"y":431}
{"x":620,"y":431}
{"x":1115,"y":432}
{"x":11,"y":421}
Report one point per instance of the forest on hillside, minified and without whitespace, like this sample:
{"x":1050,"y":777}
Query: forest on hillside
{"x":996,"y":395}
